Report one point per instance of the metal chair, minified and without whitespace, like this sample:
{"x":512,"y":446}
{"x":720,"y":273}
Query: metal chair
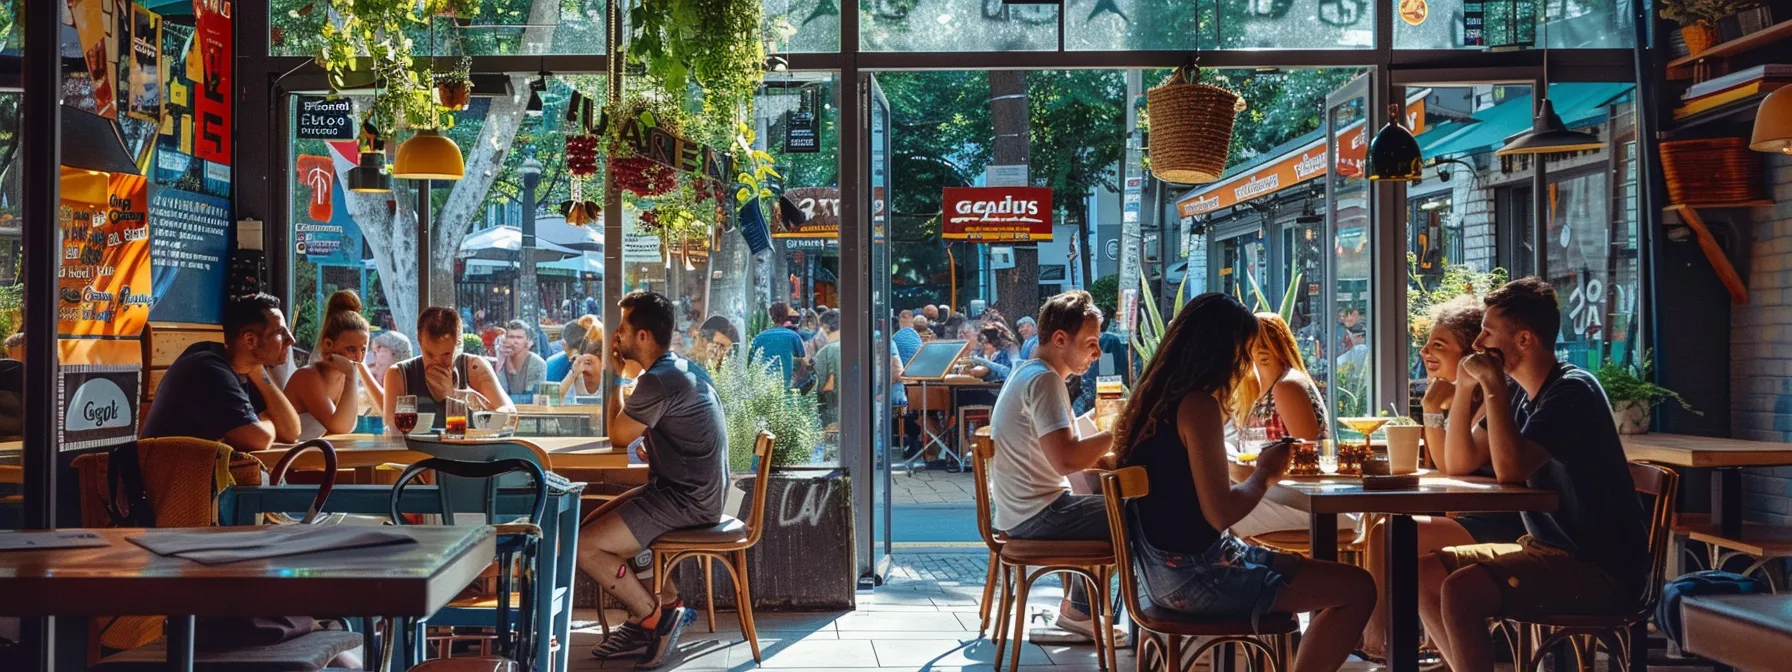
{"x":1093,"y":561}
{"x":516,"y":541}
{"x":1620,"y":633}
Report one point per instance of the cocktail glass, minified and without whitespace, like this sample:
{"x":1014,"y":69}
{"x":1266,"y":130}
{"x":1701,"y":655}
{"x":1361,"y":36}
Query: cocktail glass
{"x":1350,"y":458}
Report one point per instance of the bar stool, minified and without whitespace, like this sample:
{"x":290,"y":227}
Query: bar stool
{"x":1093,"y":561}
{"x":1164,"y":629}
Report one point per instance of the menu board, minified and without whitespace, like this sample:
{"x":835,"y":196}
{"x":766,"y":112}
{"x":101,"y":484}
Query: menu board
{"x":191,"y":241}
{"x":103,"y":285}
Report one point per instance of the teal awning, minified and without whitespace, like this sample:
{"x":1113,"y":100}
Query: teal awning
{"x":1580,"y":104}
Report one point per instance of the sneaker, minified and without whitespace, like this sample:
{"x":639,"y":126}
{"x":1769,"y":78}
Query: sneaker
{"x":665,"y":639}
{"x":1084,"y":629}
{"x":626,"y":640}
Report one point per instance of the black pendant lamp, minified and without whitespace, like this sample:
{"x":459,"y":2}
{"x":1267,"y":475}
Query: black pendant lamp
{"x":1548,"y":135}
{"x":1394,"y":154}
{"x":370,"y":175}
{"x":537,"y":86}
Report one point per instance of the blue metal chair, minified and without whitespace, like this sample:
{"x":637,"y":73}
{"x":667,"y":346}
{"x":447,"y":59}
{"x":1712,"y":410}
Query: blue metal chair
{"x":516,"y":541}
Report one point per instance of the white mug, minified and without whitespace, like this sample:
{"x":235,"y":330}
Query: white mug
{"x":492,"y":419}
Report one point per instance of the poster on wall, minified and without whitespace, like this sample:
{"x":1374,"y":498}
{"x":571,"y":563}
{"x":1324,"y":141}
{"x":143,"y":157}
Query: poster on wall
{"x":118,"y":51}
{"x":819,"y":209}
{"x":211,"y":72}
{"x":146,"y":64}
{"x":104,"y":281}
{"x":189,"y":246}
{"x":92,"y":26}
{"x":98,"y":404}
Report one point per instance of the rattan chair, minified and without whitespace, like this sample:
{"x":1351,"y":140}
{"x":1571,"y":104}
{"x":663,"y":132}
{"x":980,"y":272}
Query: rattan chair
{"x":1616,"y":633}
{"x":1093,"y":561}
{"x":1164,"y":631}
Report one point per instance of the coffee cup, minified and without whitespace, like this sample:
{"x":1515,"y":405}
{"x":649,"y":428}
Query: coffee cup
{"x":425,"y":423}
{"x":492,"y":420}
{"x":1403,"y":447}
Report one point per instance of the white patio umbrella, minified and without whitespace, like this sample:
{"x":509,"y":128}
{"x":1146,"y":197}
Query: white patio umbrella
{"x":501,"y":243}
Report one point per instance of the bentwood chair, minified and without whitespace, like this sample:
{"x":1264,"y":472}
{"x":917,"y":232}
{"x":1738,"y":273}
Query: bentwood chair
{"x":1166,"y":631}
{"x":727,"y":542}
{"x":1624,"y":636}
{"x":1092,"y":561}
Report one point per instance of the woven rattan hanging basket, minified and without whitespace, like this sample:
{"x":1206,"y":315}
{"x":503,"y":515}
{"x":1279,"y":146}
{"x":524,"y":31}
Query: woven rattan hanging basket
{"x":1191,"y":127}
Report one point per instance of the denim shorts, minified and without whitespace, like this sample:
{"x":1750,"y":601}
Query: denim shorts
{"x":1231,"y":580}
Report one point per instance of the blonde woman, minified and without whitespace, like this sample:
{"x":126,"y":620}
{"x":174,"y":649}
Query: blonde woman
{"x":586,"y":376}
{"x":326,"y":394}
{"x":1278,"y":390}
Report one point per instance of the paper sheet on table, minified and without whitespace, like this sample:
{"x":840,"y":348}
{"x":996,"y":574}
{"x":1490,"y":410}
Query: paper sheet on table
{"x":1085,"y":425}
{"x":216,"y":548}
{"x":37,"y":541}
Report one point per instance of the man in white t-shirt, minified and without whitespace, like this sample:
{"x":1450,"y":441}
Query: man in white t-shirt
{"x":1037,"y":444}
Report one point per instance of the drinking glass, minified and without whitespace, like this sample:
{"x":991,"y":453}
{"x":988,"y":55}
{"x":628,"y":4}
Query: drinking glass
{"x":455,"y":426}
{"x":404,"y":415}
{"x":1328,"y":457}
{"x":1250,"y":442}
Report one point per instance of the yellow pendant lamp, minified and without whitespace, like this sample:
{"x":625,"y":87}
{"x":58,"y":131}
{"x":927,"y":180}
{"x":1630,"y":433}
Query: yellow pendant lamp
{"x":429,"y":155}
{"x":1773,"y":123}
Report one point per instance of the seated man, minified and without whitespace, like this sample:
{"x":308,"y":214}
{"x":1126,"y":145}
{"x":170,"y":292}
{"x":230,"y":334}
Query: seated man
{"x":442,"y":371}
{"x":520,"y":371}
{"x":572,"y":339}
{"x":224,"y":391}
{"x":1547,"y":427}
{"x":675,"y":407}
{"x":1037,"y":446}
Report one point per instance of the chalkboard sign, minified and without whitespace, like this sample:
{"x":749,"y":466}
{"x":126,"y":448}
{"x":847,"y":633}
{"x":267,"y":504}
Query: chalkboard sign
{"x":800,"y":134}
{"x":934,"y":360}
{"x":325,"y":119}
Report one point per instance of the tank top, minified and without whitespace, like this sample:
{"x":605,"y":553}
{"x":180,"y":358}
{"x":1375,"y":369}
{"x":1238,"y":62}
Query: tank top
{"x":1170,"y":515}
{"x":1264,"y":413}
{"x":416,"y":384}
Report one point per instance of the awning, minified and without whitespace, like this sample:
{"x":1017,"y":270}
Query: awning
{"x":502,"y":243}
{"x":1580,"y":104}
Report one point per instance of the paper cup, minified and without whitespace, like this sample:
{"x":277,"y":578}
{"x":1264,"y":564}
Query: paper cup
{"x":1403,"y":448}
{"x":425,"y":422}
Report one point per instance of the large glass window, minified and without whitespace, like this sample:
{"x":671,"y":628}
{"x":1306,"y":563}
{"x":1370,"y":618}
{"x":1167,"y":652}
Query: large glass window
{"x":501,"y":27}
{"x":956,"y":25}
{"x":1498,"y":24}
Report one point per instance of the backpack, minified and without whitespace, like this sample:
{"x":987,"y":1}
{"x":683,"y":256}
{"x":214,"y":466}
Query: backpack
{"x":1699,"y":584}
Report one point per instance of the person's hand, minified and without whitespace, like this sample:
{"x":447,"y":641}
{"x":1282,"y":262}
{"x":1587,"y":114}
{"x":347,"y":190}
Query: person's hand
{"x":641,"y":450}
{"x":617,"y":362}
{"x":440,"y":381}
{"x":1484,"y":368}
{"x":337,"y":363}
{"x":1273,"y":459}
{"x":1438,"y":396}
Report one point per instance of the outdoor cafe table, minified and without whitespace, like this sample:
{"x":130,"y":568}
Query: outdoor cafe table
{"x":1748,"y":632}
{"x":360,"y":451}
{"x":410,"y":581}
{"x":1726,"y":459}
{"x":1323,"y":498}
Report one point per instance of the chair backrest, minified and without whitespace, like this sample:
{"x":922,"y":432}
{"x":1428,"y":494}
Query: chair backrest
{"x":983,"y":447}
{"x":278,"y":475}
{"x":487,"y":471}
{"x":1116,"y":488}
{"x":1663,"y":484}
{"x":762,"y":449}
{"x":470,"y":496}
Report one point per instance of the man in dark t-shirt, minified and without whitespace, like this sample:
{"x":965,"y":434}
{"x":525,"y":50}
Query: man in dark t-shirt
{"x":1548,"y":427}
{"x":224,"y":391}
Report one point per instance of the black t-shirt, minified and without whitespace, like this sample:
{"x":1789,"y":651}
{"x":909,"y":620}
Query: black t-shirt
{"x":1599,"y":517}
{"x":201,"y":396}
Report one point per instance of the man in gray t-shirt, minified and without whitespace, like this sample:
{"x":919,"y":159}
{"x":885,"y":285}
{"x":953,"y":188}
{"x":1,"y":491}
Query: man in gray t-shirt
{"x":675,"y":409}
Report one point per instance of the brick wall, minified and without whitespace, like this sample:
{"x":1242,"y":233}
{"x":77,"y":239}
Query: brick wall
{"x":1761,"y":344}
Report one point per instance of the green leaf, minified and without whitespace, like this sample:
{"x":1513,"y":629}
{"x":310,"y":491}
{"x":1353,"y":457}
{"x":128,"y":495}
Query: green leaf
{"x":760,"y":155}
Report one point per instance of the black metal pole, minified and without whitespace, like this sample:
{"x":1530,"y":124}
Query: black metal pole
{"x":424,"y":244}
{"x":40,"y":136}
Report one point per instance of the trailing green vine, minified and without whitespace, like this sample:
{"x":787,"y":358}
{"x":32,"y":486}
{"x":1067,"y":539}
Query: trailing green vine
{"x":367,"y":38}
{"x":715,"y":44}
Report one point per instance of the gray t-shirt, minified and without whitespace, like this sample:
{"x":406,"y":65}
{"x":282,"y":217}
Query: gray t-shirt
{"x":525,"y":382}
{"x":687,"y":444}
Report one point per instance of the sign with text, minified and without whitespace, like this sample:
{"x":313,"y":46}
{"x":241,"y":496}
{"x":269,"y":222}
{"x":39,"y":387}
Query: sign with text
{"x":677,"y":153}
{"x":146,"y":64}
{"x":820,"y":207}
{"x":211,"y":73}
{"x":325,"y":119}
{"x":98,"y":405}
{"x":997,"y":214}
{"x":801,"y":133}
{"x":103,"y":284}
{"x":190,"y":243}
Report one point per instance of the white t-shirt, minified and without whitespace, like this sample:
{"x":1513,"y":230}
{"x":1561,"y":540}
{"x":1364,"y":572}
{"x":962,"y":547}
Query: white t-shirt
{"x":1033,"y":404}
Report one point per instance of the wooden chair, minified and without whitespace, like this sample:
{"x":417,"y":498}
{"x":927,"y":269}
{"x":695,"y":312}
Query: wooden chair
{"x":1166,"y":630}
{"x":986,"y":530}
{"x":726,"y":541}
{"x":1093,"y":561}
{"x":1624,"y":636}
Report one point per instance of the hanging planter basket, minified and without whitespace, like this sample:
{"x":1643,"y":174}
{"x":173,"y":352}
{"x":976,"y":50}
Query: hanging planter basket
{"x":1191,"y":128}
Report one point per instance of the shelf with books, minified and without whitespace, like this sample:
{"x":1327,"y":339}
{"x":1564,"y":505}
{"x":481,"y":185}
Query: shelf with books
{"x":1697,"y":66}
{"x":1733,"y":110}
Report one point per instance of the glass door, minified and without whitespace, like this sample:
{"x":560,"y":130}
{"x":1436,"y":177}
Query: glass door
{"x":1345,"y":364}
{"x":885,"y":394}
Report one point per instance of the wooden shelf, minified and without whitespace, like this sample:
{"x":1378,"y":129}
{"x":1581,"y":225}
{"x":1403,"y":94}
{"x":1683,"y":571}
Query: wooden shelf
{"x":1746,"y":43}
{"x":1714,"y":253}
{"x":1742,"y":109}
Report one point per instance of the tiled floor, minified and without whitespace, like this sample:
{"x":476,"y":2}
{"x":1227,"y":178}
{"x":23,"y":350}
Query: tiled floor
{"x":931,"y":486}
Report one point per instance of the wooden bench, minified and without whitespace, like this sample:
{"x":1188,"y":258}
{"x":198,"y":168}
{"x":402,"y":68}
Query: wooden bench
{"x":1763,"y":543}
{"x":163,"y":342}
{"x":1749,"y":632}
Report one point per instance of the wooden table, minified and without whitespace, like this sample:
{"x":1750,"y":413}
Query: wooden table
{"x":124,"y":578}
{"x":1323,"y":498}
{"x":1725,"y":457}
{"x":354,"y":451}
{"x":1748,"y":632}
{"x":954,"y":384}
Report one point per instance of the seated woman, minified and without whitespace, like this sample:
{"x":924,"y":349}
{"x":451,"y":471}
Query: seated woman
{"x":990,"y":361}
{"x":328,"y":394}
{"x":1454,"y":326}
{"x":442,"y":372}
{"x":586,"y":378}
{"x":1278,"y":392}
{"x":1174,"y":426}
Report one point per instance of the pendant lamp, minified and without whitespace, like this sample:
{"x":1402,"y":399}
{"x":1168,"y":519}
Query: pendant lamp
{"x":1548,"y":135}
{"x":1773,"y":123}
{"x":1394,"y":154}
{"x":429,"y":155}
{"x":370,"y":177}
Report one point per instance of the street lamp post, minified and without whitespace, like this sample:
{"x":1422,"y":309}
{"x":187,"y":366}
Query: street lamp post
{"x":528,"y":290}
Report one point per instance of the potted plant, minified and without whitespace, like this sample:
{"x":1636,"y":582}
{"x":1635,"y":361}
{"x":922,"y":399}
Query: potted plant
{"x":1698,"y":19}
{"x":1634,"y":395}
{"x":454,"y":88}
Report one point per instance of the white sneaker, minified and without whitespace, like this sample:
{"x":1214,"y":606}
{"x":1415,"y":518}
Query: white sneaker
{"x":1068,"y":630}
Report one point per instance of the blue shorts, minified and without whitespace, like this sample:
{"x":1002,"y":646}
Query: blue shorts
{"x":1231,"y":580}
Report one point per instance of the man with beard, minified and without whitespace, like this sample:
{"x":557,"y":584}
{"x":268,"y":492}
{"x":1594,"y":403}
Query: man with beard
{"x":675,"y":408}
{"x":224,"y":391}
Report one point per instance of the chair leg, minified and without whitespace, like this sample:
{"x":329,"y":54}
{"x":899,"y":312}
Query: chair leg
{"x":1104,"y":633}
{"x":1004,"y":612}
{"x":743,"y":598}
{"x":709,"y":591}
{"x":989,"y":586}
{"x":1172,"y":653}
{"x":1020,"y":617}
{"x":1107,"y":608}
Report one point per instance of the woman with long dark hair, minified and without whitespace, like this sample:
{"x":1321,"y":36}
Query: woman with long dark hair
{"x":1174,"y":426}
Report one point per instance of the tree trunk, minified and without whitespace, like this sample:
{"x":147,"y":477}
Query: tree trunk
{"x":1017,"y":289}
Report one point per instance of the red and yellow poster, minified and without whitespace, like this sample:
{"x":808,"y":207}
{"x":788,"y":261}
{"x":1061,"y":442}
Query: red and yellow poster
{"x":94,"y":25}
{"x":209,"y":68}
{"x":104,"y":281}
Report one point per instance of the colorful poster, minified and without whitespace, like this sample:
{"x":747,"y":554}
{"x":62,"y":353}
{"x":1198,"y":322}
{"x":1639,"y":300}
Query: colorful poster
{"x":189,"y":248}
{"x":318,"y":175}
{"x":98,"y":405}
{"x":92,"y":26}
{"x":118,"y":51}
{"x":211,"y":72}
{"x":997,"y":214}
{"x":146,"y":64}
{"x":105,"y":276}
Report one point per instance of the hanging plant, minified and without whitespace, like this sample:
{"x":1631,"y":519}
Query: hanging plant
{"x":454,"y":88}
{"x":367,"y":37}
{"x":714,"y":43}
{"x":635,"y":113}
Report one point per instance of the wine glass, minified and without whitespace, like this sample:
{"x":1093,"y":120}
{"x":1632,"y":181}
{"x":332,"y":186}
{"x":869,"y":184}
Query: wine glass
{"x":404,"y":414}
